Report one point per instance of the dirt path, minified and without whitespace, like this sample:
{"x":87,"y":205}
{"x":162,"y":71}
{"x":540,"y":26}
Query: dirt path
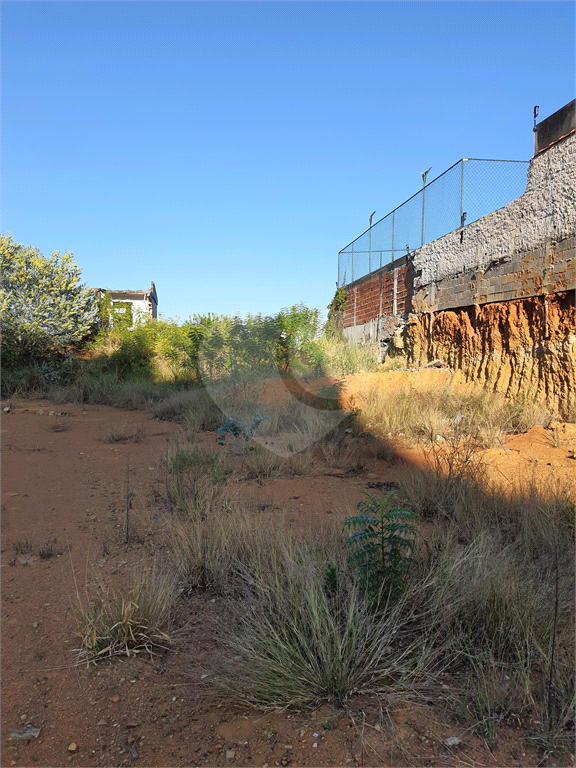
{"x":64,"y":495}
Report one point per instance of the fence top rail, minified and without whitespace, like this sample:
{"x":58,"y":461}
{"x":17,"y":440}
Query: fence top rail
{"x":462,"y":160}
{"x":490,"y":160}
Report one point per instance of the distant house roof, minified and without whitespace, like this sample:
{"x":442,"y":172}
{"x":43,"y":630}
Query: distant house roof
{"x":150,"y":297}
{"x":128,"y":295}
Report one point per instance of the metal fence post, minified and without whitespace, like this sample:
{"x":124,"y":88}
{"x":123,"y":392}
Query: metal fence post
{"x":352,"y":265}
{"x":370,"y":243}
{"x":393,"y":215}
{"x":424,"y":177}
{"x":464,"y":159}
{"x":423,"y":199}
{"x":370,"y":250}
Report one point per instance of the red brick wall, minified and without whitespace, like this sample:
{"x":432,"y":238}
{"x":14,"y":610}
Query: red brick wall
{"x":405,"y":289}
{"x":374,"y":296}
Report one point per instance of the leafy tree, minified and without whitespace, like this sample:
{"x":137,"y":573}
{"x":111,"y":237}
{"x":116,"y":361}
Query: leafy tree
{"x":43,"y":307}
{"x":298,"y":328}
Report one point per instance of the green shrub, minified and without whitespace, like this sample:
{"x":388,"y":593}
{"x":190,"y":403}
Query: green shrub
{"x":43,"y":307}
{"x":382,"y":548}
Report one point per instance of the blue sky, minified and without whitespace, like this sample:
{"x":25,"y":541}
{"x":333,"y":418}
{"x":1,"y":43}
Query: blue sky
{"x":229,"y":150}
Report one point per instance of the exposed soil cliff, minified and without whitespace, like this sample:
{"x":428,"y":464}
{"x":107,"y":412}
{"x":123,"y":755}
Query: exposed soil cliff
{"x":528,"y":345}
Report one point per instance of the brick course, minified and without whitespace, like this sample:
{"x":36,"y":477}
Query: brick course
{"x":373,"y":296}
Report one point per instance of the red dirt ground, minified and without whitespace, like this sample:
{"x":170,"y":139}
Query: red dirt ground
{"x":64,"y":487}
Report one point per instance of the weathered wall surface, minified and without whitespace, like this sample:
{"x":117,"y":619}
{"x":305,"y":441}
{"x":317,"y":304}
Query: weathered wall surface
{"x":494,"y":299}
{"x":529,"y":243}
{"x":387,"y":291}
{"x":527,"y":345}
{"x":547,"y":269}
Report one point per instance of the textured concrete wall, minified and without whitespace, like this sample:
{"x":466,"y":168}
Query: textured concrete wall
{"x":545,"y":270}
{"x":531,"y":238}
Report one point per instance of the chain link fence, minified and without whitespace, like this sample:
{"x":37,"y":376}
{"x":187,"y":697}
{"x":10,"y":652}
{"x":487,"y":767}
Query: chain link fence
{"x":468,"y":190}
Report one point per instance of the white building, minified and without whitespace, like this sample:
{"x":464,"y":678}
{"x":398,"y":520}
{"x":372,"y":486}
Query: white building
{"x":140,"y":305}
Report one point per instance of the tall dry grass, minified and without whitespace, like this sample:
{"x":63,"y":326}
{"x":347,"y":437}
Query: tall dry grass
{"x":441,"y":412}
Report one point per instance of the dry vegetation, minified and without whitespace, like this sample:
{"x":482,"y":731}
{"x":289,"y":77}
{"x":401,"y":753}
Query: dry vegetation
{"x":485,"y":621}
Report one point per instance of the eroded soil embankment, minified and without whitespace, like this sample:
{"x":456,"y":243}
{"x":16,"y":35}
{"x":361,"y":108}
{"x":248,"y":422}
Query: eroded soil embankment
{"x":526,"y":345}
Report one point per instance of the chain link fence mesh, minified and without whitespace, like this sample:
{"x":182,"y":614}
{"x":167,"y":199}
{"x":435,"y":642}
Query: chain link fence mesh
{"x":472,"y":186}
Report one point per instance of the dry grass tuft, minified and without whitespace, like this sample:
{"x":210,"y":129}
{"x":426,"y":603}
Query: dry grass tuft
{"x":194,"y":408}
{"x":196,"y":480}
{"x":123,"y":433}
{"x":60,"y":425}
{"x":131,"y":623}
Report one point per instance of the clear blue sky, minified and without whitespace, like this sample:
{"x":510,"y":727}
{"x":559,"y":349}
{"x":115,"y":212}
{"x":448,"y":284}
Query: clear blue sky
{"x":229,"y":150}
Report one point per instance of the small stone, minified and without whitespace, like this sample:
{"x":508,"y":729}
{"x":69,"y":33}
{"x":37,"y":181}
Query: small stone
{"x":132,"y":725}
{"x":230,"y":754}
{"x":101,"y":722}
{"x":377,"y":727}
{"x":114,"y":699}
{"x":452,"y":741}
{"x":25,"y":732}
{"x":72,"y":747}
{"x":315,"y":745}
{"x":133,"y":752}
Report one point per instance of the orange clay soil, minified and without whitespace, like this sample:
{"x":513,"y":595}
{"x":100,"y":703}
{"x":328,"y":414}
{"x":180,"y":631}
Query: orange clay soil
{"x":64,"y":490}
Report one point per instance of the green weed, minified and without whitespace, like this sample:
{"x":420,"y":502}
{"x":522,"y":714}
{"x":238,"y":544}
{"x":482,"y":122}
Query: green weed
{"x":382,"y":548}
